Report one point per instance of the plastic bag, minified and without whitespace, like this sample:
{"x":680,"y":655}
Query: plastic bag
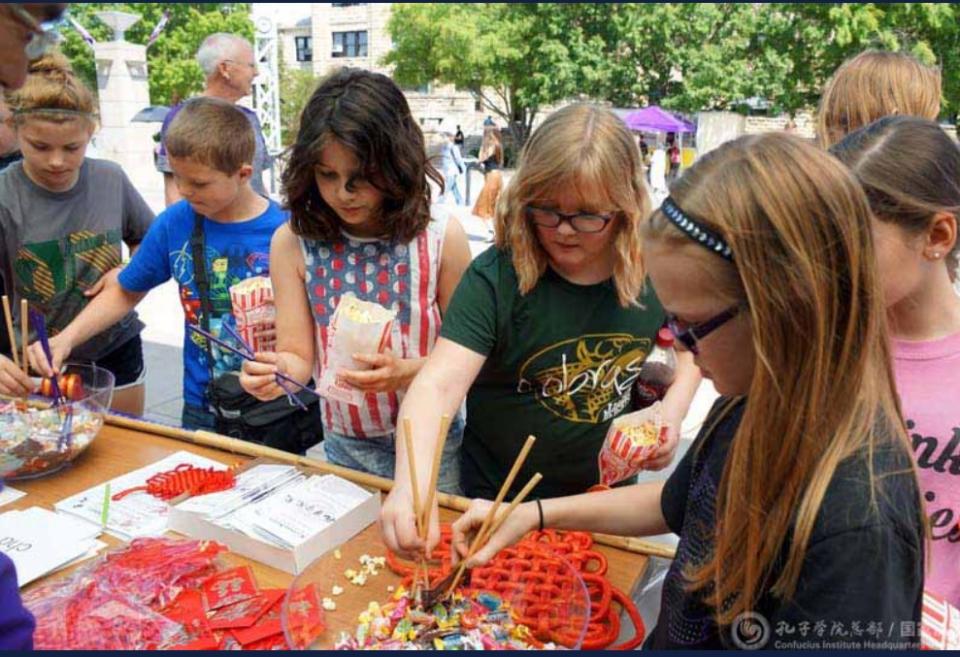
{"x":631,"y":439}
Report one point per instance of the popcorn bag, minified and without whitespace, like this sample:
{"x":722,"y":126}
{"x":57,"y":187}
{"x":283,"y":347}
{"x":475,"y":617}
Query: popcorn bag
{"x":940,"y":624}
{"x":253,"y":308}
{"x":357,"y":327}
{"x":631,"y":440}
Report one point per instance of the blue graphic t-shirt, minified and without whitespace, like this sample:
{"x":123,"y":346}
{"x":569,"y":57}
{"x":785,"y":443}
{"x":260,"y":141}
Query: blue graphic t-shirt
{"x":234,"y":252}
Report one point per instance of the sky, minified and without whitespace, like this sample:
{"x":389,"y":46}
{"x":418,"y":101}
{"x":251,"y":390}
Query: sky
{"x":285,"y":13}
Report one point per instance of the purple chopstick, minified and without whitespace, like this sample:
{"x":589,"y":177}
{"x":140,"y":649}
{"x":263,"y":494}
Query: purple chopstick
{"x":291,"y":395}
{"x":233,"y":350}
{"x":39,"y":323}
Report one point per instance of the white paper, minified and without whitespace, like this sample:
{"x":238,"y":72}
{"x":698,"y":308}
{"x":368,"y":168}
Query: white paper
{"x":137,"y":514}
{"x":39,"y":541}
{"x":8,"y":495}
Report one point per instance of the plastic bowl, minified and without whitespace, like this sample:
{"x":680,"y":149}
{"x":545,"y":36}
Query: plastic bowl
{"x":552,"y":601}
{"x":37,"y":438}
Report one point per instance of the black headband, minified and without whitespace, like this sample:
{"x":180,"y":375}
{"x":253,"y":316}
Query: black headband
{"x":695,"y":230}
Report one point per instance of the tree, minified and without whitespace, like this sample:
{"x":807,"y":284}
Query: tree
{"x":173,"y":71}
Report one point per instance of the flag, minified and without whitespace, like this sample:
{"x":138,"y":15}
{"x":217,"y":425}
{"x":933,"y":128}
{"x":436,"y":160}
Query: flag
{"x":82,"y":31}
{"x":159,"y":28}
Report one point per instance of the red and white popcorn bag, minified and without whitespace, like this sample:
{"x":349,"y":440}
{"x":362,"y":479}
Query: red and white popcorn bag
{"x":253,"y":308}
{"x":357,"y":327}
{"x":631,"y":440}
{"x":939,"y":624}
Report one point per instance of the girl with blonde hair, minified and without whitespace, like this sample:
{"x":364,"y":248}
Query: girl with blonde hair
{"x":62,"y":219}
{"x":872,"y":85}
{"x":491,"y":157}
{"x":915,"y":212}
{"x":797,"y":503}
{"x":548,"y":329}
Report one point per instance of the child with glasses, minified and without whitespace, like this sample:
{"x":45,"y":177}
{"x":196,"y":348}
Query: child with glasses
{"x":915,"y":223}
{"x":797,"y":503}
{"x":549,"y":328}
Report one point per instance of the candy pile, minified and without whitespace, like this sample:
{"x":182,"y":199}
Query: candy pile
{"x":167,"y":593}
{"x":475,"y":621}
{"x":36,"y":440}
{"x":529,"y":575}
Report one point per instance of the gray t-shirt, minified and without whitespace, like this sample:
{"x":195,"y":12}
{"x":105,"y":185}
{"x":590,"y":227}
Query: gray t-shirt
{"x":261,"y":158}
{"x":55,"y":245}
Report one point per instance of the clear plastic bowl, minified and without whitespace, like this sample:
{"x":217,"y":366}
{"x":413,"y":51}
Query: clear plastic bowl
{"x":37,"y":438}
{"x":553,"y":600}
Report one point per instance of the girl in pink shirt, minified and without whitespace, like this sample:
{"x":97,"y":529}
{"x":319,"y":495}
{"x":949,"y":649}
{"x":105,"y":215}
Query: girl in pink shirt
{"x":910,"y":170}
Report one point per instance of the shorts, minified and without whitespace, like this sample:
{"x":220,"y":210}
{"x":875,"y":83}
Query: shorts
{"x":377,"y":455}
{"x":197,"y":417}
{"x":126,"y":364}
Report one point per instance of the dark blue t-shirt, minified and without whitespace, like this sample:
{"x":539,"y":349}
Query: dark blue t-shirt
{"x":234,"y":252}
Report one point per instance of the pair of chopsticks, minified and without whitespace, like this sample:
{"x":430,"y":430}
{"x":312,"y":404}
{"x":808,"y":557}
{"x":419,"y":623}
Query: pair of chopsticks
{"x":422,"y":513}
{"x":24,"y":333}
{"x":491,"y":523}
{"x":248,"y":350}
{"x":249,"y":355}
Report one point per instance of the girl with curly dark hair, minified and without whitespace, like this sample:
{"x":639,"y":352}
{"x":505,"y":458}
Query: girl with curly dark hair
{"x":357,"y":188}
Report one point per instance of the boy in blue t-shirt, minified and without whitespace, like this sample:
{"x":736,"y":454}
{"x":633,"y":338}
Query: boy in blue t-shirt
{"x":210,"y":146}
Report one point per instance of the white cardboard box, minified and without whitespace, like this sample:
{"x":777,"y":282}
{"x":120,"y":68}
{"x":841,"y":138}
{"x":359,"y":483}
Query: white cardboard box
{"x":293,"y":561}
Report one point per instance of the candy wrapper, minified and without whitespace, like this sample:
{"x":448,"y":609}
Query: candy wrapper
{"x":940,"y":624}
{"x":357,"y":327}
{"x":254,"y":311}
{"x":631,"y":440}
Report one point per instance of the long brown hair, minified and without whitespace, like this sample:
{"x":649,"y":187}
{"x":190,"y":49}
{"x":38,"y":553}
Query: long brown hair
{"x":586,"y":147}
{"x":908,"y":196}
{"x":799,"y":228}
{"x":367,"y":113}
{"x":874,"y":84}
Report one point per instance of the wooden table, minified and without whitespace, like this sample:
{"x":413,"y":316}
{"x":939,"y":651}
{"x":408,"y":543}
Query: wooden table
{"x":117,"y":451}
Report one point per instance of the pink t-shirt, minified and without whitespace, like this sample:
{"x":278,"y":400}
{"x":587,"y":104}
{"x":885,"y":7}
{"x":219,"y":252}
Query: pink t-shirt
{"x":928,"y":380}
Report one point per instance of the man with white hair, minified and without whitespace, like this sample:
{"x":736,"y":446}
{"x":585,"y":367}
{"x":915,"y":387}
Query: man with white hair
{"x":229,"y":65}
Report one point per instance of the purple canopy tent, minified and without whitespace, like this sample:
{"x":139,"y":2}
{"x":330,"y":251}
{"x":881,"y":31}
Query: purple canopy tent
{"x":654,"y":119}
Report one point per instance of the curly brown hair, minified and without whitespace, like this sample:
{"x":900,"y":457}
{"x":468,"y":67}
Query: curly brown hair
{"x":368,"y":114}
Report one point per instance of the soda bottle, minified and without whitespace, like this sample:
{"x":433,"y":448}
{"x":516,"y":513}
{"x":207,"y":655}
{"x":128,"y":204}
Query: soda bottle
{"x":658,"y":371}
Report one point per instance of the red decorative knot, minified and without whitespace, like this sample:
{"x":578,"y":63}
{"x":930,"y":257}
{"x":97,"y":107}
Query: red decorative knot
{"x":182,"y":479}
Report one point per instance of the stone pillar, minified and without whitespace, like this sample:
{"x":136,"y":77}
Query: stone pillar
{"x":123,"y":90}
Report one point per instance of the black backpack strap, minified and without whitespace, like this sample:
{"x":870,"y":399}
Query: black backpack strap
{"x":198,"y":250}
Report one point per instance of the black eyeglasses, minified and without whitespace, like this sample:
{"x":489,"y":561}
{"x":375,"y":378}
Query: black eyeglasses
{"x":582,"y":222}
{"x":689,"y":335}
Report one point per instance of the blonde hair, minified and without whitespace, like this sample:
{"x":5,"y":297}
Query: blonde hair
{"x":491,"y":146}
{"x":214,"y":132}
{"x":874,"y":84}
{"x":584,"y":147}
{"x":822,"y":388}
{"x":52,"y":92}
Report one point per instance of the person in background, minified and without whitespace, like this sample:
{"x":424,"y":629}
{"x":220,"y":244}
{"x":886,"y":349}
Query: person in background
{"x":915,"y":212}
{"x":451,"y":166}
{"x":229,"y":65}
{"x":63,"y":217}
{"x":797,"y":503}
{"x":458,"y":139}
{"x":9,"y":145}
{"x":23,"y":37}
{"x":872,"y":85}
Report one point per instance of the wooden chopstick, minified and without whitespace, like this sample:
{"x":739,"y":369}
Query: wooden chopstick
{"x":408,"y":444}
{"x":25,"y":335}
{"x":8,"y":319}
{"x":507,"y":483}
{"x":427,"y":509}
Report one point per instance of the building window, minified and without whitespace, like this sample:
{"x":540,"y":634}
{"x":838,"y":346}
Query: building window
{"x":350,"y":44}
{"x":304,"y":48}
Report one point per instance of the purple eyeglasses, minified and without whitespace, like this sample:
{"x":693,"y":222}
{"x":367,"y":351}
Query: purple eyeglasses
{"x":689,"y":335}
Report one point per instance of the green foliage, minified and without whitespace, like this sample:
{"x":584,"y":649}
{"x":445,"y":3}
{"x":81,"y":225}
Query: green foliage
{"x":174,"y":72}
{"x":296,"y":86}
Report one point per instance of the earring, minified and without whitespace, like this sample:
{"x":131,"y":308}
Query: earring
{"x":936,"y":255}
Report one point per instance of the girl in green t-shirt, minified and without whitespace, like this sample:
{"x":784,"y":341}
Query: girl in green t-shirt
{"x":547,"y":330}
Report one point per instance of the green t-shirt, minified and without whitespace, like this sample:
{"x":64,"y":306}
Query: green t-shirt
{"x":561,"y":363}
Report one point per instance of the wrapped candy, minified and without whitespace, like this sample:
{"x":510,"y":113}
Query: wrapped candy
{"x":253,"y":308}
{"x":357,"y":327}
{"x":71,"y":386}
{"x":631,"y":440}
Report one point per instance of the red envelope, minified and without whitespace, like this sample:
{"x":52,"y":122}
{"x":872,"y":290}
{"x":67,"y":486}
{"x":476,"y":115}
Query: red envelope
{"x":267,"y":625}
{"x":246,"y":612}
{"x":305,"y":616}
{"x":210,"y":642}
{"x":229,"y":587}
{"x":273,"y":642}
{"x":188,"y":610}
